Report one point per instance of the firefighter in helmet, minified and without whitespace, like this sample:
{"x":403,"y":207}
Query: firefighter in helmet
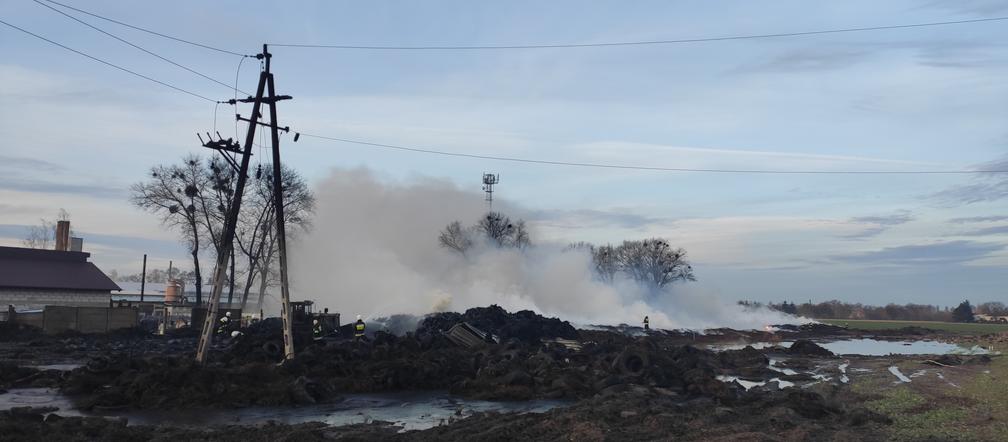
{"x":316,"y":330}
{"x":225,"y":321}
{"x":647,"y":324}
{"x":359,"y":328}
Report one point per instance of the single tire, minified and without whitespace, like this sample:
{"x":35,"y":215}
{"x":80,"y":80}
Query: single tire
{"x":511,"y":355}
{"x":272,"y":348}
{"x":631,"y":362}
{"x":97,"y":365}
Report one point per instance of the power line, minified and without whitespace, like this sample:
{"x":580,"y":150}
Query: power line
{"x":653,"y":168}
{"x":181,"y":40}
{"x":108,"y":63}
{"x":649,"y":42}
{"x":139,"y":47}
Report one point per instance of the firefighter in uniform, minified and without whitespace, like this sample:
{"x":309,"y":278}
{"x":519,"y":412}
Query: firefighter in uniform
{"x":359,"y":328}
{"x":647,"y":324}
{"x":224,"y":323}
{"x":316,"y":330}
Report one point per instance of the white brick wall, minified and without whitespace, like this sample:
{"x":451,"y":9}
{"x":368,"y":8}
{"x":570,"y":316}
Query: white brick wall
{"x":38,"y":298}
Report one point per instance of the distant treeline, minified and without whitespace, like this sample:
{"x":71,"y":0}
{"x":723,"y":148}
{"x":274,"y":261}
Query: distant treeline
{"x":155,"y":276}
{"x":834,"y":309}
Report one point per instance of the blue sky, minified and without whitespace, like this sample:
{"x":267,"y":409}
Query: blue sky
{"x":77,"y":133}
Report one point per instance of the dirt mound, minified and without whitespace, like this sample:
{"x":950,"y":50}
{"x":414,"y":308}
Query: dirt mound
{"x":805,"y":347}
{"x":747,"y":362}
{"x":951,"y":360}
{"x":525,"y":325}
{"x":816,"y":330}
{"x":245,"y":374}
{"x":175,"y":382}
{"x":14,"y":332}
{"x":14,"y":376}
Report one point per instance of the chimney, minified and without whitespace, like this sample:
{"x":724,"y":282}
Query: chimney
{"x":76,"y":244}
{"x":63,"y":236}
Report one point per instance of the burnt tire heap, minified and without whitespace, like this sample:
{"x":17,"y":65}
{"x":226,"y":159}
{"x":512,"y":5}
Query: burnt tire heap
{"x":521,"y":366}
{"x":525,"y":364}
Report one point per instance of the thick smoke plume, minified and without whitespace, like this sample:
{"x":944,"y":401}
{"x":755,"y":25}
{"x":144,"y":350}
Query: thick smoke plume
{"x":374,"y":252}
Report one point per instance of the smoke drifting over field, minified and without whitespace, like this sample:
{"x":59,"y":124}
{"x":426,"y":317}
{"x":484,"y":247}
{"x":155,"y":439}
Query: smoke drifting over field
{"x":374,"y":252}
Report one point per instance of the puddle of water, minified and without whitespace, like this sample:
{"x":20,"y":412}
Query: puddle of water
{"x":37,"y":397}
{"x":871,"y":347}
{"x":874,"y":347}
{"x":411,"y":411}
{"x":773,"y":366}
{"x":899,"y":375}
{"x":750,"y":384}
{"x":59,"y":367}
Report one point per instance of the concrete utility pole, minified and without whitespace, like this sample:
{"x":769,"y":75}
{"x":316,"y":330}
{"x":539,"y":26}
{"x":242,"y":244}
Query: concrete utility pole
{"x":231,"y":221}
{"x":227,"y":238}
{"x":278,"y":205}
{"x":143,"y":278}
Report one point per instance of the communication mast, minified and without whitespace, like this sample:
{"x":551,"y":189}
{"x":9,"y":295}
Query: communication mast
{"x":489,"y":180}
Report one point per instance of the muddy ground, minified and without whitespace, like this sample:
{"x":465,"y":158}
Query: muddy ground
{"x":624,"y":384}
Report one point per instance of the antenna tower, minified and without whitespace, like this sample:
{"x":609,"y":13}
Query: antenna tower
{"x":489,"y":180}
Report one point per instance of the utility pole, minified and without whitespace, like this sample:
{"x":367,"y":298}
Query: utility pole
{"x":231,"y":221}
{"x":143,"y":278}
{"x":227,"y":239}
{"x":278,"y":206}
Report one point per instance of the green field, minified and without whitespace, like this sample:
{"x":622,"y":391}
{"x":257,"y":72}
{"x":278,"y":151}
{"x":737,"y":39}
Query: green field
{"x":952,"y":327}
{"x":974,"y":407}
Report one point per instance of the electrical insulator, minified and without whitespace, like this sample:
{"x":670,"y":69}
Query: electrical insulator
{"x":259,"y":172}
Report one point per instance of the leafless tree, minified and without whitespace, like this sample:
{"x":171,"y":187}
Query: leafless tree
{"x":495,"y":227}
{"x":173,"y":193}
{"x":502,"y":232}
{"x":43,"y":235}
{"x":256,"y":237}
{"x":653,"y":262}
{"x":992,"y":308}
{"x":215,"y":202}
{"x":455,"y":237}
{"x":520,"y":235}
{"x":195,"y":197}
{"x":603,"y":259}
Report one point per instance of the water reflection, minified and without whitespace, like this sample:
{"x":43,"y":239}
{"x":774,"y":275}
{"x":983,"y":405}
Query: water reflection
{"x":871,"y":347}
{"x":411,"y":411}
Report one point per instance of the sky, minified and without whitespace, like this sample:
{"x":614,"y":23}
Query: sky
{"x":76,"y":133}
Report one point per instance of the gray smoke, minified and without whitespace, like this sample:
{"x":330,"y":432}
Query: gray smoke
{"x":373,"y":252}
